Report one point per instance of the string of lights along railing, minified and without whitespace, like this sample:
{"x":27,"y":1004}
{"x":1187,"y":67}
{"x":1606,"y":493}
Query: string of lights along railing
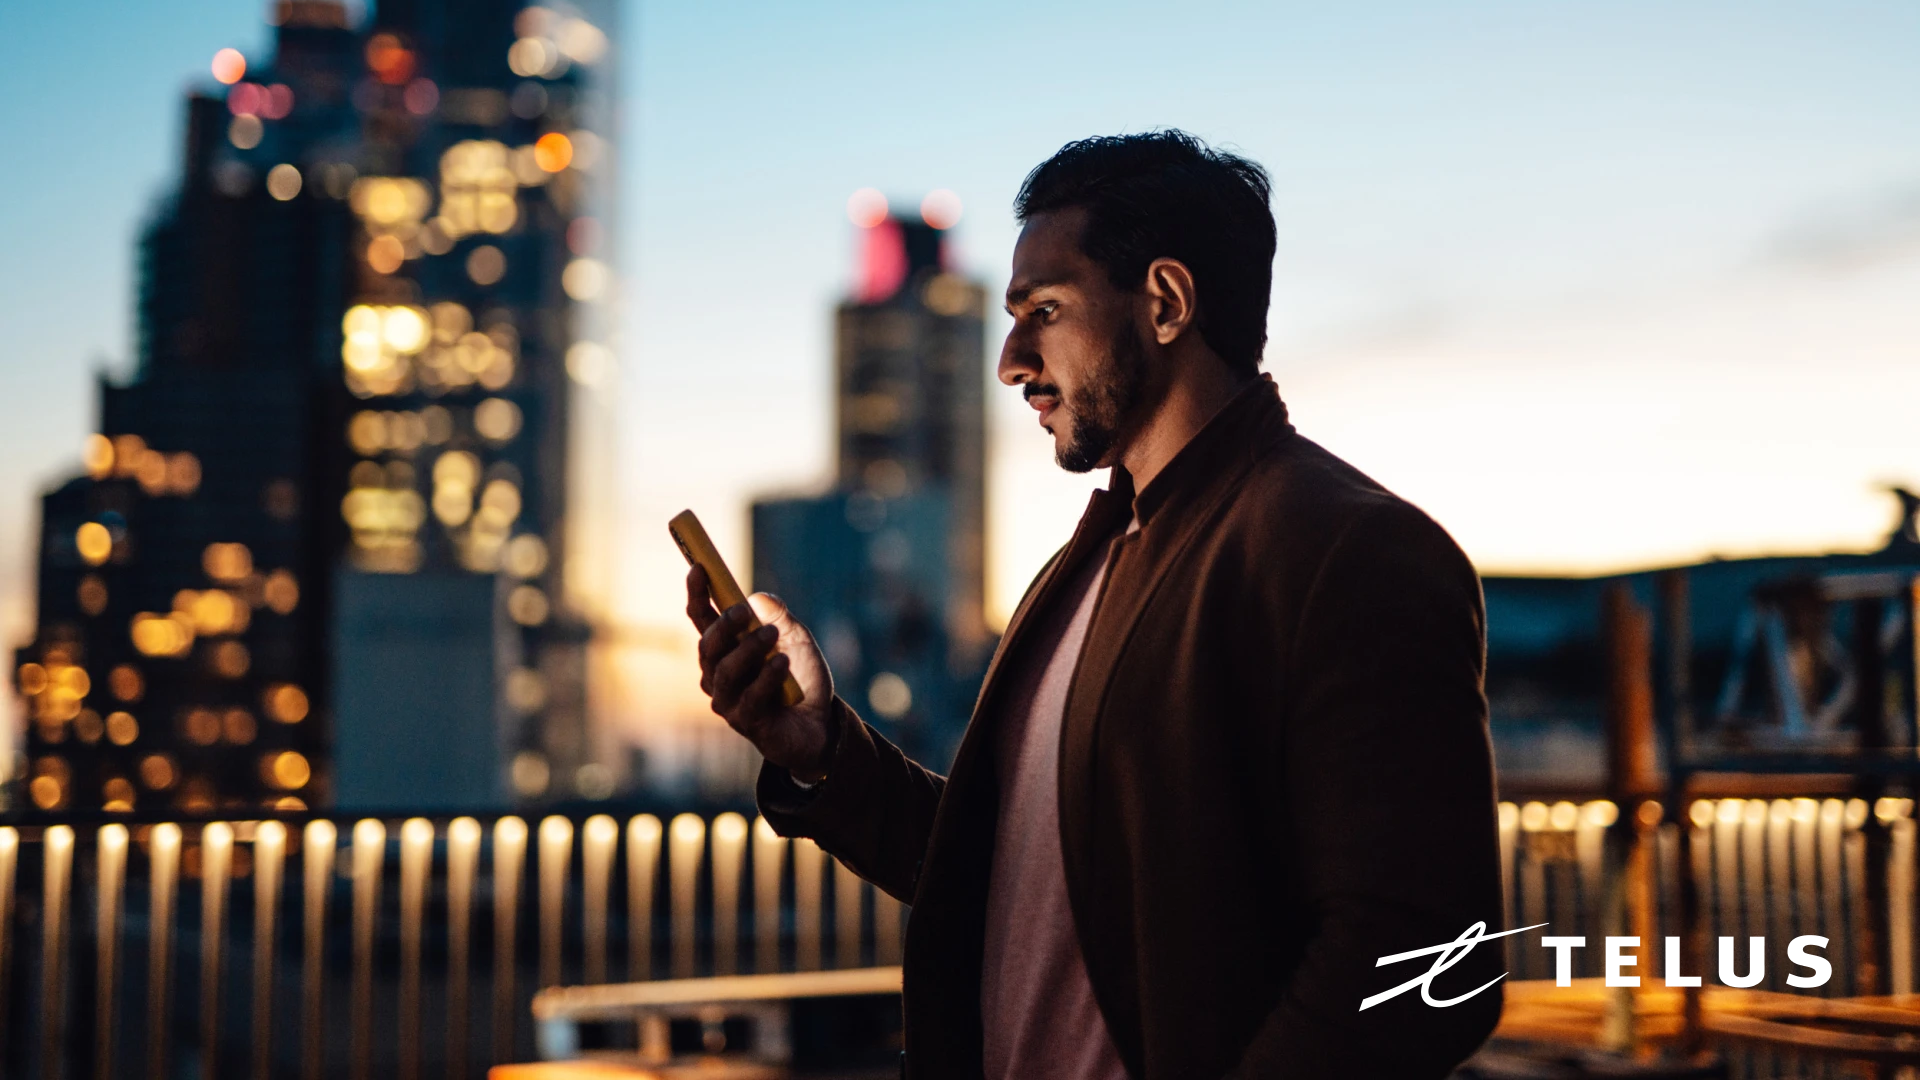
{"x":725,"y":882}
{"x":1770,"y":868}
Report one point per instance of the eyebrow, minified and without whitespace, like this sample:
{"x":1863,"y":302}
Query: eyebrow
{"x":1020,"y":294}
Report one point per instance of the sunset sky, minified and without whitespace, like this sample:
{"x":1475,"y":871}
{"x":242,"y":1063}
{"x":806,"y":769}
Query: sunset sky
{"x":1598,"y":285}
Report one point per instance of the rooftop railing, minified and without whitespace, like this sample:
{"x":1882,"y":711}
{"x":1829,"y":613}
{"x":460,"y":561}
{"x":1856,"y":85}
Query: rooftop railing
{"x":412,"y":946}
{"x":374,"y":946}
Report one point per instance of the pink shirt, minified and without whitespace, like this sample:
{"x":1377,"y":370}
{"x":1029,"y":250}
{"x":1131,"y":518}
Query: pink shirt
{"x":1041,"y":1020}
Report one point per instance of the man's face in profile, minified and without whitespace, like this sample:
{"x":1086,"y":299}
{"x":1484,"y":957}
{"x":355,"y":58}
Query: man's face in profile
{"x":1074,"y":349}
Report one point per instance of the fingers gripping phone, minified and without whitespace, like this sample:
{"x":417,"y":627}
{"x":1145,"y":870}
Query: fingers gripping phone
{"x":699,"y":550}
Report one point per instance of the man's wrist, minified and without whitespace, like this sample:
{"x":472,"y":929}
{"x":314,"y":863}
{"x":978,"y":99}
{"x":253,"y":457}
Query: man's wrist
{"x":806,"y":779}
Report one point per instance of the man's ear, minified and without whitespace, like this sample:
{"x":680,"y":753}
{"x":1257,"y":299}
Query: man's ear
{"x":1172,"y":303}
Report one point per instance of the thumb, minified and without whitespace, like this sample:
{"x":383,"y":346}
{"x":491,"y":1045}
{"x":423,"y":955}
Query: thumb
{"x":772,"y":611}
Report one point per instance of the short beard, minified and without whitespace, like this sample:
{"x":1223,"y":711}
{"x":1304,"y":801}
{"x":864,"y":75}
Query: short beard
{"x":1098,"y":412}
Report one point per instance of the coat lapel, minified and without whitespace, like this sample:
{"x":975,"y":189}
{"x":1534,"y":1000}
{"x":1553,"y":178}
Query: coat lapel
{"x":1172,"y":510}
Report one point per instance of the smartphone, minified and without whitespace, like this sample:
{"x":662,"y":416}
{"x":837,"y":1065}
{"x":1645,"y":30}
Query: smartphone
{"x":699,"y":550}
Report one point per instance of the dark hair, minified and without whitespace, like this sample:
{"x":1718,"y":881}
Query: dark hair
{"x":1167,"y":194}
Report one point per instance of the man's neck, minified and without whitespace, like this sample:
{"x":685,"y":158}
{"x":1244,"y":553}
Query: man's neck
{"x":1204,"y":386}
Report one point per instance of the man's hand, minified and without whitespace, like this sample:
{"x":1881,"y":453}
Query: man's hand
{"x":743,"y":676}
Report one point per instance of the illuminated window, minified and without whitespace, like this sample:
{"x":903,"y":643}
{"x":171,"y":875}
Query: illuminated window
{"x":285,"y":703}
{"x":390,"y":205}
{"x":127,"y":450}
{"x":183,"y":473}
{"x":530,"y":773}
{"x":202,"y":726}
{"x":94,"y":542}
{"x":390,"y":61}
{"x":496,"y":419}
{"x":526,"y":690}
{"x":486,"y":265}
{"x":584,"y":279}
{"x":122,"y":728}
{"x":117,"y":794}
{"x":379,"y":345}
{"x":526,"y":556}
{"x":477,"y":189}
{"x":281,"y":592}
{"x":385,"y":254}
{"x":532,"y":57}
{"x":553,"y":152}
{"x":527,"y":605}
{"x":151,"y":470}
{"x":92,"y":594}
{"x":227,"y":562}
{"x":245,"y":132}
{"x":98,"y":455}
{"x":162,"y":635}
{"x":213,"y":611}
{"x":238,"y":726}
{"x":125,"y":682}
{"x":229,"y":660}
{"x":283,"y":181}
{"x":287,"y":770}
{"x":157,"y":772}
{"x":47,"y":792}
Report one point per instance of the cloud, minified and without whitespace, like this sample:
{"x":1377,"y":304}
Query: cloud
{"x":1870,"y":232}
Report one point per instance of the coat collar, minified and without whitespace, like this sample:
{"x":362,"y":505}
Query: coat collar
{"x":1236,"y":430}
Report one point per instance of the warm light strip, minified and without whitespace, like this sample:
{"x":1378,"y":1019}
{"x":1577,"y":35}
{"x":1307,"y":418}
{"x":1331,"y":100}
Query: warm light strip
{"x":163,"y":872}
{"x":216,"y":863}
{"x":317,"y":863}
{"x":556,"y":852}
{"x":686,"y":843}
{"x":809,"y":862}
{"x":463,"y":864}
{"x":598,"y":838}
{"x":416,"y":860}
{"x":369,"y":858}
{"x":269,"y":861}
{"x":643,"y":867}
{"x":769,"y":855}
{"x":509,"y":862}
{"x":55,"y":881}
{"x":111,"y":859}
{"x":729,"y":856}
{"x":9,"y":859}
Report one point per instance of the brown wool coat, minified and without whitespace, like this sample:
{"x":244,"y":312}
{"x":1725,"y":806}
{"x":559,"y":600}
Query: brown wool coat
{"x":1275,"y":769}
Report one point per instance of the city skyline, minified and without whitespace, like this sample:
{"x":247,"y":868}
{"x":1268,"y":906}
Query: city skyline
{"x":1631,"y":241}
{"x":322,"y":552}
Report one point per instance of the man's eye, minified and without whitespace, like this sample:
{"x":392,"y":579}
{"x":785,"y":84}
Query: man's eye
{"x":1045,"y":311}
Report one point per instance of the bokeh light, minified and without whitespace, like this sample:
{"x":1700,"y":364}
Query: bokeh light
{"x":867,"y":207}
{"x":486,"y":265}
{"x":229,"y":66}
{"x":283,"y":182}
{"x":553,"y":151}
{"x":940,"y":209}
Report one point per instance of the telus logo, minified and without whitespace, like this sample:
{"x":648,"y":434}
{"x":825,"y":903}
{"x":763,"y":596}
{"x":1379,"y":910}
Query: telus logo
{"x":1452,"y":952}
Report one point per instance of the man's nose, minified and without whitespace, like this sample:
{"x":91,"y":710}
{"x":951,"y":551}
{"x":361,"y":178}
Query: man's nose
{"x":1019,"y":363}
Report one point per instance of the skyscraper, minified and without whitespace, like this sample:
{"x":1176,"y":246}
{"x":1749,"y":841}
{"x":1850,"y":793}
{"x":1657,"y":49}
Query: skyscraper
{"x":889,"y":568}
{"x":319,"y":554}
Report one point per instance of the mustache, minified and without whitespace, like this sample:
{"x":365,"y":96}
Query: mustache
{"x":1029,"y":391}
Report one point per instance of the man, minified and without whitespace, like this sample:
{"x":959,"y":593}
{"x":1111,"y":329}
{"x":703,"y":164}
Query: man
{"x":1233,"y":746}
